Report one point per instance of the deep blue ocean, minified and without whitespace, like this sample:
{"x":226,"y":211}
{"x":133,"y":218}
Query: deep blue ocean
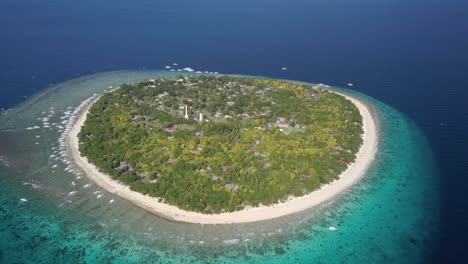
{"x":410,"y":55}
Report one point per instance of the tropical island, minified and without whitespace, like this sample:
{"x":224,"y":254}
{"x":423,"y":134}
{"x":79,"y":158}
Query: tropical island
{"x":205,"y":146}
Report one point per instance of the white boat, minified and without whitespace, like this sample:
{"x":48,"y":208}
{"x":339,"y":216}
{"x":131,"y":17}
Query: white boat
{"x":284,"y":69}
{"x":332,"y":228}
{"x":350,"y":84}
{"x":71,"y":193}
{"x":24,"y":200}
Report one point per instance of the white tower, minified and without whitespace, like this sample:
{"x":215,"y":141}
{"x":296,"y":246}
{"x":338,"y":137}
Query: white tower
{"x":201,"y":117}
{"x":186,"y":113}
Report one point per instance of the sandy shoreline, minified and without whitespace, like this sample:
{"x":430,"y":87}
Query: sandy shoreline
{"x":352,"y":174}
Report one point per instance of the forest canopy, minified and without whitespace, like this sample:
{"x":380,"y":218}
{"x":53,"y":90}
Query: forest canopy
{"x":216,"y":144}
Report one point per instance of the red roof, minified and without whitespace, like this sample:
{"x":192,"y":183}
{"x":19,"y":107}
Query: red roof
{"x":342,"y":162}
{"x":171,"y":129}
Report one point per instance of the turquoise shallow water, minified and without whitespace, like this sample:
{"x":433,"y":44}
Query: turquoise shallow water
{"x":390,"y":216}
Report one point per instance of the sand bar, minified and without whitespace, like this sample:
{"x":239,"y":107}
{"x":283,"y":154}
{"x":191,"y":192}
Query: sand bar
{"x":352,"y":174}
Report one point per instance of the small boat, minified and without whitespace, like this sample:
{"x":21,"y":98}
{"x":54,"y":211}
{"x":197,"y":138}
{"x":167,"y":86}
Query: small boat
{"x":350,"y":84}
{"x":24,"y":200}
{"x":332,"y":228}
{"x":284,"y":69}
{"x":71,"y":193}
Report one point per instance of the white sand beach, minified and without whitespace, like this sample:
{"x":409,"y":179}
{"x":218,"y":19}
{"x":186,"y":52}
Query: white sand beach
{"x":296,"y":204}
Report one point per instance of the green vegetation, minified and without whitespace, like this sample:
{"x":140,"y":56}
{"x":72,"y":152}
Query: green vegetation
{"x":258,"y":140}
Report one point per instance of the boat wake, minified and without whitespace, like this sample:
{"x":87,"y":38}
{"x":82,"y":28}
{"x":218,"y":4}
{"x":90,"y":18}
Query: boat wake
{"x":36,"y":185}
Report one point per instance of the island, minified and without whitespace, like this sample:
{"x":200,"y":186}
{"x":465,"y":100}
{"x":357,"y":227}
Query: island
{"x":223,"y":149}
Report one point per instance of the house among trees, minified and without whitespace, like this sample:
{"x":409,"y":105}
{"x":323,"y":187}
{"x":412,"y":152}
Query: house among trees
{"x":232,"y":187}
{"x":171,"y":129}
{"x":281,"y":122}
{"x":341,"y":162}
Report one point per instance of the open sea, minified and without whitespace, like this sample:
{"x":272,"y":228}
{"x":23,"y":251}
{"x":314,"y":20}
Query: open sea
{"x":407,"y":59}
